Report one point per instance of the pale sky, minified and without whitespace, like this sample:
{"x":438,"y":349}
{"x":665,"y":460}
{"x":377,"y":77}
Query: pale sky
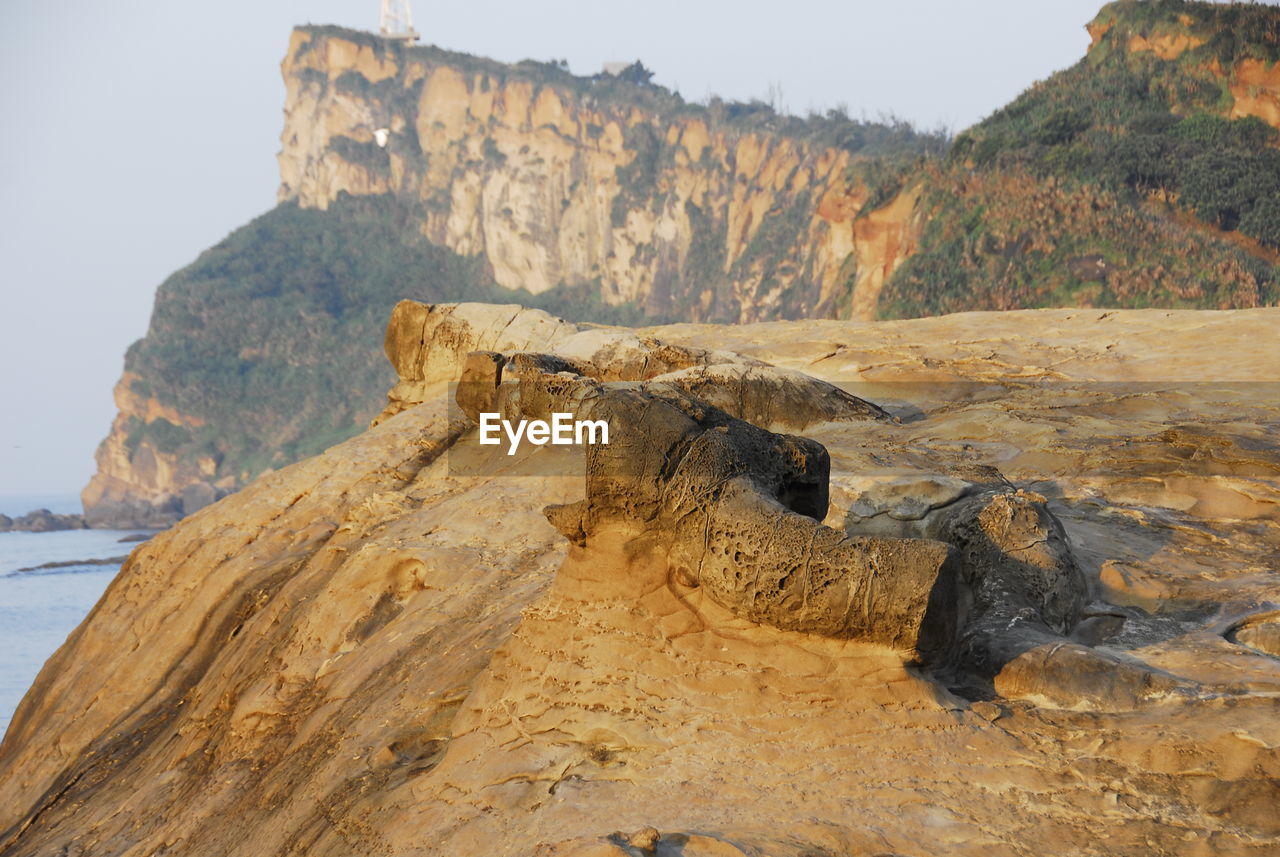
{"x":137,"y":133}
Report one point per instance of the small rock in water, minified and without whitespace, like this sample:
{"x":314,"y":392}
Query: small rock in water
{"x":41,"y":521}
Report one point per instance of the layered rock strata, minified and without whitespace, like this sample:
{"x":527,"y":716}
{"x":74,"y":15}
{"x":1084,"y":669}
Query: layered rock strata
{"x":555,"y":182}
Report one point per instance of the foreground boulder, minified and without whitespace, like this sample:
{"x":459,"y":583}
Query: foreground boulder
{"x":736,"y":508}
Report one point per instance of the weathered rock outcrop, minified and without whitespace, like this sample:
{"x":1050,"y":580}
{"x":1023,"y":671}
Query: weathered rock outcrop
{"x":430,"y":343}
{"x":140,"y":484}
{"x":371,"y":652}
{"x":736,"y":509}
{"x":982,"y":584}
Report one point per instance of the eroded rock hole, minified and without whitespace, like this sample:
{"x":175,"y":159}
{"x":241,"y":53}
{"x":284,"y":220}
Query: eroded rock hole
{"x":803,"y":498}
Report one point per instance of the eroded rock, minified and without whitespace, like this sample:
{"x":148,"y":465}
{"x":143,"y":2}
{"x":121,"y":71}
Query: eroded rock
{"x":970,"y":576}
{"x":1024,"y":593}
{"x":738,"y":510}
{"x":1260,"y":631}
{"x":428,"y":343}
{"x":736,"y":507}
{"x":369,"y":653}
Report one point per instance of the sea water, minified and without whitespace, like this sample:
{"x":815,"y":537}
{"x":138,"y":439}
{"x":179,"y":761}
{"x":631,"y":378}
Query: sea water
{"x":39,"y":608}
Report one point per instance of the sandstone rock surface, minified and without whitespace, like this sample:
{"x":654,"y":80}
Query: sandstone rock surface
{"x":369,"y":653}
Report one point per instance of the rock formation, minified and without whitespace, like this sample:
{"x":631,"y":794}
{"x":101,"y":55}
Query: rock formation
{"x":374,"y":652}
{"x":140,"y":482}
{"x":987,"y":583}
{"x":1251,"y":83}
{"x":558,"y":180}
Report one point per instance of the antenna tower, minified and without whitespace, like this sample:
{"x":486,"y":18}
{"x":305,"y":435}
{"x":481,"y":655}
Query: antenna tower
{"x":396,"y":21}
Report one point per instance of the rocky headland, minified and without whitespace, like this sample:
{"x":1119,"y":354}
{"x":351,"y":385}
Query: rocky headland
{"x":990,"y":583}
{"x":1145,"y":175}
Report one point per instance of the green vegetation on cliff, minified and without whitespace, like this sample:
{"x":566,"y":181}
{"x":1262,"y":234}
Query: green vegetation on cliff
{"x":273,"y":338}
{"x":1131,"y":120}
{"x":1112,"y":183}
{"x":1003,"y":239}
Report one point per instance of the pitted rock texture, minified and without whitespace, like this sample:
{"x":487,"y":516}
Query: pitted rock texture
{"x":735,"y":507}
{"x":736,"y":510}
{"x":367,"y":653}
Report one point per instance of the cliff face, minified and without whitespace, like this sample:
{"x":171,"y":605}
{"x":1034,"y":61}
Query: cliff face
{"x":1118,"y":182}
{"x":263,"y":351}
{"x":554,"y":182}
{"x":139,"y":484}
{"x":369,"y":653}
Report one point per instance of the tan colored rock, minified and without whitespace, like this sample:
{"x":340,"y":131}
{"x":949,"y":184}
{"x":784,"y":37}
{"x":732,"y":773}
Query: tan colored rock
{"x":1255,"y":86}
{"x":882,"y":241}
{"x":645,"y":840}
{"x":368,"y":653}
{"x":736,"y":510}
{"x":1166,"y":46}
{"x":429,"y":344}
{"x":139,"y":485}
{"x":1260,"y":631}
{"x":528,"y":175}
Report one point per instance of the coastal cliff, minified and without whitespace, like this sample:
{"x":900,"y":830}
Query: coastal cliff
{"x":1146,"y":175}
{"x":599,"y":199}
{"x":1233,"y":50}
{"x":560,"y":180}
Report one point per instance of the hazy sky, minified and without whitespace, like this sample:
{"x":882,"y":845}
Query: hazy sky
{"x":137,"y":133}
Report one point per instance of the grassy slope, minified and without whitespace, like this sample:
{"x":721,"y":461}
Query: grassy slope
{"x":273,"y":337}
{"x":1071,"y":194}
